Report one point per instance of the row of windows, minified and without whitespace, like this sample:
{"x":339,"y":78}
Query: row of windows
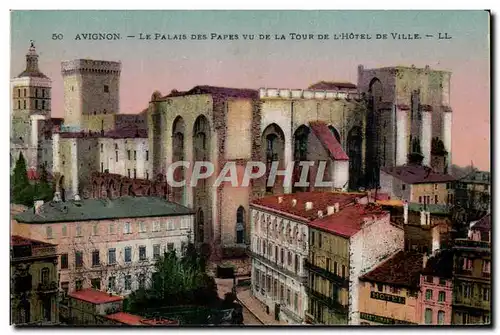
{"x":467,"y":265}
{"x":281,"y":231}
{"x":142,"y":227}
{"x":95,"y":283}
{"x":330,"y":266}
{"x":467,"y":291}
{"x":39,"y":93}
{"x":429,"y":317}
{"x":112,"y":256}
{"x":38,"y":105}
{"x":275,"y":289}
{"x":429,"y":295}
{"x":430,"y":279}
{"x":279,"y":255}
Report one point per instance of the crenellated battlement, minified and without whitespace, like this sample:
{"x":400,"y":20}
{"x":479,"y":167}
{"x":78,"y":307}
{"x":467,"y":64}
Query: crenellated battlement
{"x":285,"y":93}
{"x":90,"y":65}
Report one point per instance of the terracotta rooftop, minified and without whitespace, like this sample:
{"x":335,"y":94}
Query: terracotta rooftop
{"x":328,"y":140}
{"x":483,"y":224}
{"x":219,"y":91}
{"x":136,"y":320}
{"x":320,"y":202}
{"x":331,"y":86}
{"x":125,"y":318}
{"x":349,"y":220}
{"x":440,"y":265}
{"x":417,"y":174}
{"x":401,"y":269}
{"x":94,"y":296}
{"x":16,"y":240}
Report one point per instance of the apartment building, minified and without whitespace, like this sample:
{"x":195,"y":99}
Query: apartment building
{"x":472,"y":275}
{"x":108,"y":244}
{"x":33,"y":288}
{"x":390,"y":293}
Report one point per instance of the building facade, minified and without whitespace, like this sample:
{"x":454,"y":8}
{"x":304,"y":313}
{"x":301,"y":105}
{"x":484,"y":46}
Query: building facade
{"x":347,"y":244}
{"x":436,"y":287}
{"x":390,"y":293}
{"x":30,"y":115}
{"x":34,"y":282}
{"x":473,"y":192}
{"x":109,"y":244}
{"x":416,"y":183}
{"x":472,"y":275}
{"x":409,"y":111}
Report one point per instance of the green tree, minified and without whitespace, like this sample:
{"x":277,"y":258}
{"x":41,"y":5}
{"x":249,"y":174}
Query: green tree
{"x":43,"y":189}
{"x":176,"y":282}
{"x":21,"y":189}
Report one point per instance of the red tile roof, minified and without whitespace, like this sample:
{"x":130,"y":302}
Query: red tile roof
{"x":349,"y":220}
{"x":320,"y":200}
{"x":331,"y":86}
{"x":483,"y":224}
{"x":94,"y":296}
{"x":417,"y":174}
{"x":401,"y":269}
{"x":136,"y":320}
{"x":328,"y":140}
{"x":16,"y":240}
{"x":125,"y":318}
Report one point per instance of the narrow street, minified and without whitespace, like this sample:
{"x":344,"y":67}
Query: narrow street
{"x":249,"y":318}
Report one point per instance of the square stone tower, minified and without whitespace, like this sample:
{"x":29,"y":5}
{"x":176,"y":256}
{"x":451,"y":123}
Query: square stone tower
{"x":91,"y":87}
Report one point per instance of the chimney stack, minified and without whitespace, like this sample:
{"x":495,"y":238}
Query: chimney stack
{"x":309,"y":205}
{"x":280,"y":200}
{"x":405,"y":212}
{"x":294,"y":202}
{"x":424,"y":260}
{"x":37,"y":206}
{"x":337,"y":207}
{"x":77,"y":197}
{"x":330,"y":210}
{"x":320,"y":214}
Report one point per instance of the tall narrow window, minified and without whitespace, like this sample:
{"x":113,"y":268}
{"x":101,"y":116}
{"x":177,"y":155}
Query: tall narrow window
{"x":111,"y":256}
{"x":18,"y":104}
{"x":95,"y":258}
{"x":240,"y":225}
{"x":147,"y":155}
{"x":78,"y":259}
{"x":106,"y":89}
{"x":428,"y":316}
{"x":441,"y":318}
{"x":135,"y":155}
{"x":45,"y":275}
{"x":128,"y":254}
{"x":24,"y":104}
{"x":135,"y":173}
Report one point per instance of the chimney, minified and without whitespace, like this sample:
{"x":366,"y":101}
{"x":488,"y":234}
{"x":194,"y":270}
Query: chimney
{"x":424,"y":260}
{"x":294,"y":202}
{"x":330,"y":210}
{"x":337,"y":207}
{"x":280,"y":200}
{"x":37,"y":206}
{"x":309,"y":205}
{"x":320,"y":214}
{"x":57,"y":197}
{"x":422,"y":218}
{"x":77,"y":197}
{"x":405,"y":212}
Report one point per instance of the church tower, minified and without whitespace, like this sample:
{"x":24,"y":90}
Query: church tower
{"x":30,"y":108}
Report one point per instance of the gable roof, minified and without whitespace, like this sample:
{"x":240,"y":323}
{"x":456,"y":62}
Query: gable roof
{"x":225,"y":92}
{"x":331,"y":86}
{"x":440,"y":265}
{"x":102,"y":209}
{"x":417,"y":174}
{"x":483,"y":224}
{"x":328,"y":140}
{"x":401,"y":269}
{"x":349,"y":220}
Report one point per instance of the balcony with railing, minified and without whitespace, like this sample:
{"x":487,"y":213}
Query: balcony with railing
{"x":48,"y":287}
{"x":472,"y":302}
{"x":467,"y":244}
{"x":302,"y":277}
{"x":330,"y":302}
{"x":344,"y":282}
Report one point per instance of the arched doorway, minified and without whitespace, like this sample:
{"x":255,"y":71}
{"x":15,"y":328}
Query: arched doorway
{"x":273,"y":146}
{"x":300,"y":141}
{"x":240,"y":225}
{"x":354,"y":151}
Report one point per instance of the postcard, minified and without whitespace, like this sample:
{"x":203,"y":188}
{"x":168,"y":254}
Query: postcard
{"x":256,"y":168}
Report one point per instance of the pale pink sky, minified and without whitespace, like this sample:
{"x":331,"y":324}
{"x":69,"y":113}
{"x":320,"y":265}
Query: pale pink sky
{"x":162,"y":65}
